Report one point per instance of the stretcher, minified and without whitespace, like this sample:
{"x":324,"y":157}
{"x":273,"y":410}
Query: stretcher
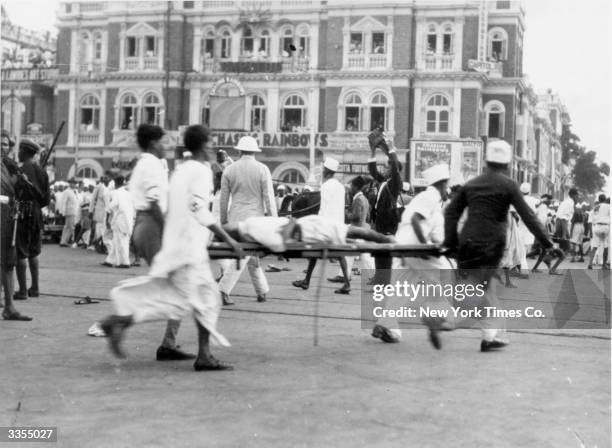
{"x":218,"y":250}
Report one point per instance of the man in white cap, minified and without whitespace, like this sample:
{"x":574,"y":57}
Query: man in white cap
{"x":332,"y":208}
{"x":481,"y":243}
{"x":422,"y":223}
{"x":525,"y":235}
{"x":249,"y":184}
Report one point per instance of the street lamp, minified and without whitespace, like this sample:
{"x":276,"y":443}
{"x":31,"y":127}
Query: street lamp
{"x":311,"y":159}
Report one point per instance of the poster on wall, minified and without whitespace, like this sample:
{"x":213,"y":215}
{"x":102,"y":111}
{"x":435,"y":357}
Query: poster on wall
{"x":227,"y":112}
{"x":470,"y":160}
{"x":426,"y":155}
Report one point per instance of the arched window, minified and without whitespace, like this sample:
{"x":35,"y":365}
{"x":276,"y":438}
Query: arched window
{"x":495,"y":113}
{"x":498,"y":44}
{"x":437,"y":114}
{"x":208,"y":45}
{"x":128,"y":116}
{"x":226,"y":44}
{"x":89,"y":113}
{"x":247,"y":42}
{"x":97,"y":46}
{"x":87,"y":172}
{"x":263,"y":49}
{"x":205,"y":119}
{"x":447,"y":40}
{"x":258,"y":113}
{"x":352,"y":113}
{"x":303,"y":41}
{"x":151,"y":109}
{"x":292,"y":176}
{"x":432,"y":39}
{"x":293,"y":113}
{"x":379,"y":111}
{"x":286,"y":42}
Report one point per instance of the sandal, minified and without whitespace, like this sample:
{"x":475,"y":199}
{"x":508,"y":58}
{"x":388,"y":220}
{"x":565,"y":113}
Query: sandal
{"x":86,"y":301}
{"x":15,"y":316}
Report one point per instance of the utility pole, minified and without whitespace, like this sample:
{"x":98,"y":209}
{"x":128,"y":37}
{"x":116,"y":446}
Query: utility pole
{"x":167,"y":64}
{"x":77,"y":101}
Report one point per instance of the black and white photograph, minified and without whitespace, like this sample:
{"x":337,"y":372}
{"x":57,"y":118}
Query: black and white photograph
{"x":306,"y":223}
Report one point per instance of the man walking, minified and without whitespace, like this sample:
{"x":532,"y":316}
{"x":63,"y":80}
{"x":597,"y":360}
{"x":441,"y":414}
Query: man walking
{"x":248,"y":183}
{"x":181,"y":269}
{"x":149,"y":193}
{"x":32,"y":198}
{"x":565,"y":212}
{"x":72,"y":206}
{"x":97,"y":210}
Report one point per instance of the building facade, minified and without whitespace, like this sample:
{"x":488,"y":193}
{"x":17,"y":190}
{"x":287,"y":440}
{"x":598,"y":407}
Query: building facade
{"x":305,"y":77}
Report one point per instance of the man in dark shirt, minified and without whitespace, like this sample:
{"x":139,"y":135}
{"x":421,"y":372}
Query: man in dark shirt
{"x":32,"y":198}
{"x":386,"y":217}
{"x":480,"y":246}
{"x":8,"y":256}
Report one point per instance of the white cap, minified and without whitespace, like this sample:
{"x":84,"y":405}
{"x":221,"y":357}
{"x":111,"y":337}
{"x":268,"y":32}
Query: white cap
{"x":331,"y":164}
{"x":499,"y":151}
{"x":307,"y":188}
{"x":405,"y":186}
{"x":525,"y":188}
{"x":436,"y":173}
{"x":247,"y":144}
{"x":280,"y":187}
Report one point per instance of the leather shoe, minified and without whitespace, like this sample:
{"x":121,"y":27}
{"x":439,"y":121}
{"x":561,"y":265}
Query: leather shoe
{"x":384,"y":334}
{"x":486,"y":346}
{"x":114,"y":326}
{"x":211,"y":364}
{"x":19,"y":296}
{"x":261,"y":298}
{"x":172,"y":354}
{"x":300,"y":284}
{"x":336,"y":279}
{"x":33,"y":292}
{"x":227,"y":300}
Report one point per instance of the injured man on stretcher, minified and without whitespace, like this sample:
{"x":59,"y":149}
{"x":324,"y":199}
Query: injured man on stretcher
{"x":275,"y":233}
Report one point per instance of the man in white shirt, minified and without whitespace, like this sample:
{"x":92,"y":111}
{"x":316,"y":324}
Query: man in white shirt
{"x":180,"y":280}
{"x":71,"y":209}
{"x":564,"y":216}
{"x":149,"y":193}
{"x":332,"y":208}
{"x":422,"y":223}
{"x":526,"y":236}
{"x":122,"y":222}
{"x":97,"y":210}
{"x":248,"y":183}
{"x":600,"y":228}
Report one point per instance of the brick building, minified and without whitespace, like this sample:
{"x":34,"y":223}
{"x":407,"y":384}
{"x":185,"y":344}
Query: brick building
{"x":301,"y":75}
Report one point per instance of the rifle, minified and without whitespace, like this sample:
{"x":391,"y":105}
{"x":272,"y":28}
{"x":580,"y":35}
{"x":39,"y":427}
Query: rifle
{"x":44,"y":161}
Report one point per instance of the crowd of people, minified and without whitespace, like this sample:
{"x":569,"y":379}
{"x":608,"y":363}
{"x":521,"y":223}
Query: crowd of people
{"x":486,"y":224}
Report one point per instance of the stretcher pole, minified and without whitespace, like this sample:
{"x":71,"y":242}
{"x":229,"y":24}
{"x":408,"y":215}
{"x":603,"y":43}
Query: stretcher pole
{"x":318,"y":298}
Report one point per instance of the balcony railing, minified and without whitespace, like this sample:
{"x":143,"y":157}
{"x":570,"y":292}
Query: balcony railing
{"x":89,"y":138}
{"x":151,"y":63}
{"x":251,"y":67}
{"x":438,"y":62}
{"x":366,"y":61}
{"x":497,"y":71}
{"x":29,"y":74}
{"x":131,"y":63}
{"x":210,"y":66}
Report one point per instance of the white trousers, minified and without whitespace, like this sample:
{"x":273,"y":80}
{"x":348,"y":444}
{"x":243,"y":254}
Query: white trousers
{"x":231,"y":275}
{"x":189,"y":289}
{"x":119,"y":252}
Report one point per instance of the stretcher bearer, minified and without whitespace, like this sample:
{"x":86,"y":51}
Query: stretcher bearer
{"x":481,"y":243}
{"x":422,"y":223}
{"x":180,"y":280}
{"x":149,"y":193}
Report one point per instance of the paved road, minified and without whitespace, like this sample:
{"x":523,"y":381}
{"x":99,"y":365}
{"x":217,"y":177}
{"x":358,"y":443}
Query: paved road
{"x":545,"y":390}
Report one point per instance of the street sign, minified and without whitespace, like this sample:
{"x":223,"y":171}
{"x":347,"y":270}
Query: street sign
{"x":480,"y":66}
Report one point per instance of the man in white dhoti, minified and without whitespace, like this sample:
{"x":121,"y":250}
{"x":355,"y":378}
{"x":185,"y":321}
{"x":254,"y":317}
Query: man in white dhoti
{"x":422,"y":223}
{"x":180,"y":280}
{"x":122,"y":223}
{"x":526,"y":237}
{"x":247,"y":183}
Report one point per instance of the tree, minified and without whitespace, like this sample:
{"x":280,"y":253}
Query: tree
{"x":587,"y":175}
{"x":569,"y":144}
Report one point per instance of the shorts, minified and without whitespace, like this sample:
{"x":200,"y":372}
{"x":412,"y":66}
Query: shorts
{"x":601,"y":235}
{"x":29,"y":238}
{"x":8,"y":255}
